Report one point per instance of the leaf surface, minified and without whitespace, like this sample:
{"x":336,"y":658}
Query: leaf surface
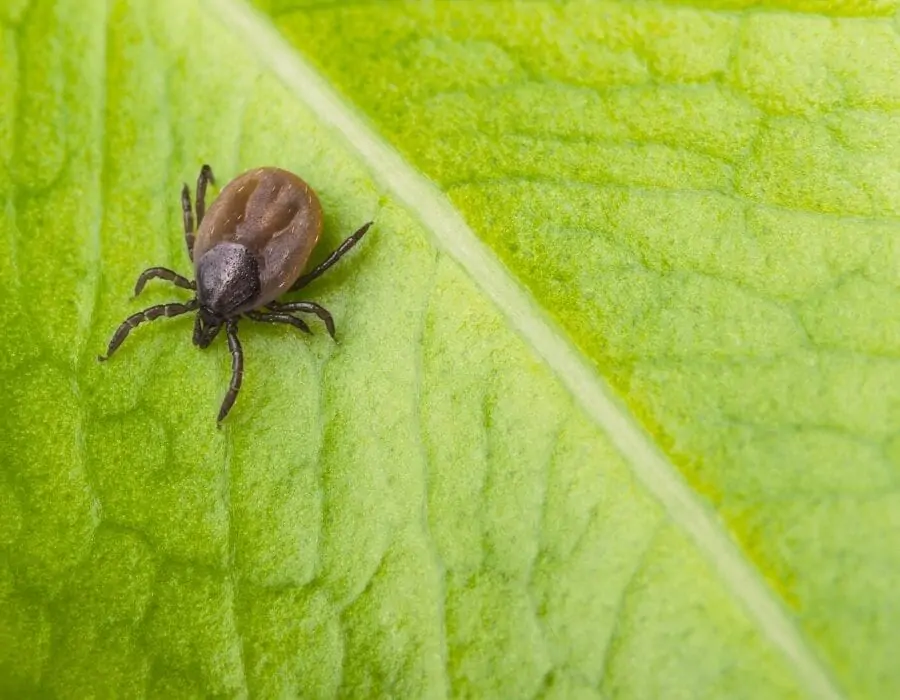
{"x":701,"y":201}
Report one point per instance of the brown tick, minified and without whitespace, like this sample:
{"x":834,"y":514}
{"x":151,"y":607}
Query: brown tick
{"x":251,"y":247}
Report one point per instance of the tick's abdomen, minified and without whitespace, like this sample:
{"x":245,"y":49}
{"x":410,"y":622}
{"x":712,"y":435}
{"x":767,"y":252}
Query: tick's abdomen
{"x":275,"y":216}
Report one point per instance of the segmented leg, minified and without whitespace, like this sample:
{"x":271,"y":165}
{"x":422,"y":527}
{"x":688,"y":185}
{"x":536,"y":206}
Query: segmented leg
{"x":307,"y":307}
{"x":237,"y":369}
{"x":163,"y":273}
{"x":336,"y":255}
{"x":203,"y":179}
{"x":279,"y":318}
{"x":133,"y":321}
{"x":188,"y":218}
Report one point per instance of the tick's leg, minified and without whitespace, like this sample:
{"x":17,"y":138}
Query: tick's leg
{"x":188,"y":218}
{"x":279,"y":318}
{"x":307,"y":307}
{"x":163,"y":273}
{"x":154,"y":312}
{"x":338,"y":253}
{"x":237,"y":370}
{"x":203,"y":179}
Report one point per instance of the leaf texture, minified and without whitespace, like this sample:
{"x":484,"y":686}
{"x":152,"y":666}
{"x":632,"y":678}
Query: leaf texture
{"x":702,"y":199}
{"x":705,"y":196}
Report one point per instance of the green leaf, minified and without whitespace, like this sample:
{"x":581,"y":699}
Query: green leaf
{"x":691,"y":206}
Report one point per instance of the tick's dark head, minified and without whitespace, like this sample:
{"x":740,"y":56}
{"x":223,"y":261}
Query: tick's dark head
{"x":206,"y":328}
{"x":227,"y":280}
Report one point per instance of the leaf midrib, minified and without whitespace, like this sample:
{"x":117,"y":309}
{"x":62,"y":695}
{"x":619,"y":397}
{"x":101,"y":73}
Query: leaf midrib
{"x":451,"y":233}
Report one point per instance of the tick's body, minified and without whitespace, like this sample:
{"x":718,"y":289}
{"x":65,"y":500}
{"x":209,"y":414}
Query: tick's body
{"x":271,"y":213}
{"x":251,"y":247}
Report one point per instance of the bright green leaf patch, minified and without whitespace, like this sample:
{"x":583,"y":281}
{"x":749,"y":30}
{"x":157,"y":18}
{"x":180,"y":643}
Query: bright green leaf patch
{"x":704,"y":195}
{"x":423,"y":509}
{"x":388,"y":516}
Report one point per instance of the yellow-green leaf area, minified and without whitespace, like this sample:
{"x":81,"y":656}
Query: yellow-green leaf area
{"x":705,"y":197}
{"x":421,"y":509}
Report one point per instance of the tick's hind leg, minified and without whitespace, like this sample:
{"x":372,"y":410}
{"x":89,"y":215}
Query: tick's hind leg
{"x":188,"y":218}
{"x":133,"y":321}
{"x":307,"y":307}
{"x":205,"y":178}
{"x":163,"y":273}
{"x":237,"y":370}
{"x":336,"y":255}
{"x":279,"y":318}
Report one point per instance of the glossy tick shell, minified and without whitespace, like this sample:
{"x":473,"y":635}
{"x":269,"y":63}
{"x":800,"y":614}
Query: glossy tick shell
{"x":275,"y":216}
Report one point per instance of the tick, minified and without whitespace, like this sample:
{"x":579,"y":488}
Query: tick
{"x":250,"y":248}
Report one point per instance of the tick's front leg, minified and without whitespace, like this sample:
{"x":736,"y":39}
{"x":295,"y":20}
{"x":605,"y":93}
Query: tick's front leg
{"x":279,"y":318}
{"x":237,"y":370}
{"x":306,"y":307}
